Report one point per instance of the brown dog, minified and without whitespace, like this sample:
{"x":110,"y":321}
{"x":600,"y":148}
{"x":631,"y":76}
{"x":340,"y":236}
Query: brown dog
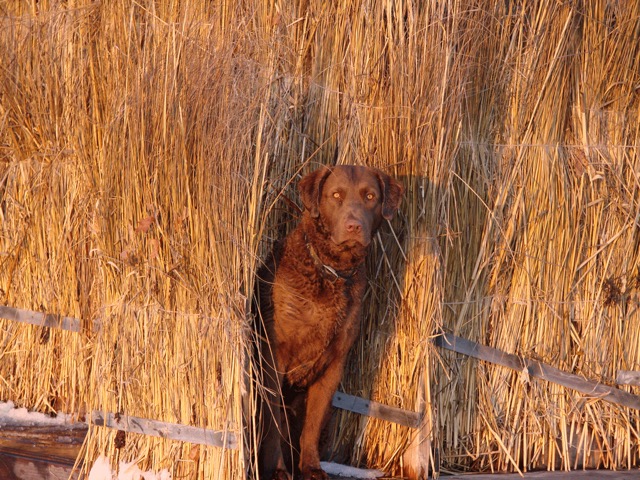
{"x":310,"y":295}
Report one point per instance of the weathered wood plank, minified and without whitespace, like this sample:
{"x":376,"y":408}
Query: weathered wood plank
{"x":626,"y":377}
{"x":376,"y":410}
{"x":539,"y":370}
{"x":40,"y":319}
{"x":42,"y":453}
{"x":173,"y":431}
{"x":20,"y":467}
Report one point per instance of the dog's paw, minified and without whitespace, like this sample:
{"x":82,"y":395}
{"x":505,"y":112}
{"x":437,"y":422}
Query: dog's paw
{"x":314,"y":474}
{"x":279,"y":474}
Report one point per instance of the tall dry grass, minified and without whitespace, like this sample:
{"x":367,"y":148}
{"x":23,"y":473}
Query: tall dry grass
{"x":133,"y":170}
{"x":148,"y":156}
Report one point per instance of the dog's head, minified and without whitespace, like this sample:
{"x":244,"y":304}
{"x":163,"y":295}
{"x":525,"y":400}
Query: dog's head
{"x":350,"y":201}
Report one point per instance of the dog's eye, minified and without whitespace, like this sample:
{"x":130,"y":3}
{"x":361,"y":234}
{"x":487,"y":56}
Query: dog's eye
{"x":371,"y":196}
{"x":336,"y":195}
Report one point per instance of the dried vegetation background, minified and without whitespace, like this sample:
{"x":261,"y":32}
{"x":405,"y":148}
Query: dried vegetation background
{"x":148,"y":157}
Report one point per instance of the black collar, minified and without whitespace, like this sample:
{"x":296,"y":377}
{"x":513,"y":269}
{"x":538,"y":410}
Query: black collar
{"x":327,"y":270}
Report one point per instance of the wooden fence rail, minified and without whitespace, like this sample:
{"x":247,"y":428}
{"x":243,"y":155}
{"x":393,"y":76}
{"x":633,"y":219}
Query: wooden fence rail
{"x":535,"y":368}
{"x":41,"y":319}
{"x":173,"y":431}
{"x":187,"y":433}
{"x":363,"y":406}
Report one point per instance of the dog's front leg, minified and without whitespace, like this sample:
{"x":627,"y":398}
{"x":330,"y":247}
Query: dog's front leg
{"x":272,"y":466}
{"x":319,"y":397}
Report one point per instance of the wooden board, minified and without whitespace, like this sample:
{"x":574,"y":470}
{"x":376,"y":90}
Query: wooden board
{"x":538,"y":369}
{"x":174,"y":431}
{"x":626,"y":377}
{"x":376,"y":410}
{"x":49,"y":320}
{"x":39,"y":453}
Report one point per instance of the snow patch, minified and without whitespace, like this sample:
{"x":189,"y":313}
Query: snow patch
{"x":101,"y":470}
{"x":346,"y":471}
{"x":10,"y":416}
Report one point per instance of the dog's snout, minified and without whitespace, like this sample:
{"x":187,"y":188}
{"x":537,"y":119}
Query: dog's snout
{"x":353,"y":225}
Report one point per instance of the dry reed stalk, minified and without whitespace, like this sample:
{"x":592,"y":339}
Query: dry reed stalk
{"x":43,"y":222}
{"x":147,"y":216}
{"x":190,"y":185}
{"x":542,"y":281}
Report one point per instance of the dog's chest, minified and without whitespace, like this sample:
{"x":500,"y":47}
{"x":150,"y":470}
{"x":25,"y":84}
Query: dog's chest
{"x":315,"y":308}
{"x":316,"y":320}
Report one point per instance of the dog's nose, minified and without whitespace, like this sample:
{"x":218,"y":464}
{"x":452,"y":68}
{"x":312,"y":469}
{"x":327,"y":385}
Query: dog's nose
{"x":353,"y":226}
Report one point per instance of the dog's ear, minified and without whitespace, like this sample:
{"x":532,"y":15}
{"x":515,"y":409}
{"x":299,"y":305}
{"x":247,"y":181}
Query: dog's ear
{"x":392,"y":192}
{"x":310,"y":188}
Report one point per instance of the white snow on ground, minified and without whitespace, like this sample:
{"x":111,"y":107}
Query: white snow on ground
{"x":11,"y":416}
{"x":101,"y":469}
{"x":346,"y":471}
